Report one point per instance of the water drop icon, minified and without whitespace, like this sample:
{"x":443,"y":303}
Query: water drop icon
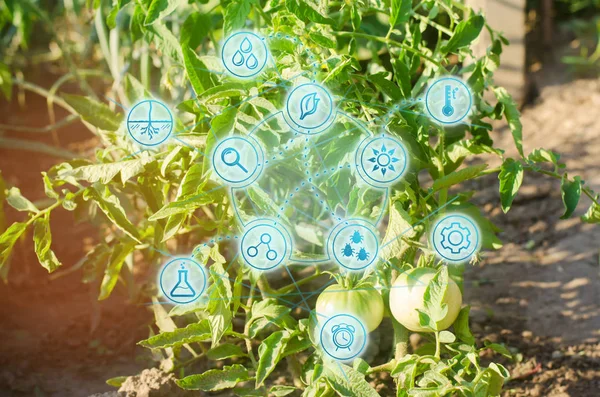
{"x":246,"y":46}
{"x":251,"y":62}
{"x":237,"y":59}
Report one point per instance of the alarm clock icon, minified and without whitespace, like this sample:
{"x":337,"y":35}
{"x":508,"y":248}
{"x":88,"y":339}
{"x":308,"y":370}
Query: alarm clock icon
{"x":343,"y":336}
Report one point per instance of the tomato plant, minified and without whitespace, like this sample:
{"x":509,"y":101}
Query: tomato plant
{"x":376,"y":57}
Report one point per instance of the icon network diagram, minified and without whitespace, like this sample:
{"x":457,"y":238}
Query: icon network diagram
{"x":285,"y":161}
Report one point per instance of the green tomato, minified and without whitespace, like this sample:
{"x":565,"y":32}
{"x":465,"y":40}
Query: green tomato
{"x":364,"y":303}
{"x":407,"y":294}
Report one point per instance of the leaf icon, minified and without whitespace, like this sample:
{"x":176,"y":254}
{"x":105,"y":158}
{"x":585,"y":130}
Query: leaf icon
{"x":308,"y":105}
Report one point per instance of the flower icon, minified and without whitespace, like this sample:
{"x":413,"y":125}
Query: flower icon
{"x":383,"y":159}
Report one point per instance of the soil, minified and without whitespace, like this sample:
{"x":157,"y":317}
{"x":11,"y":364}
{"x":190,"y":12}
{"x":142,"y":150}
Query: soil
{"x":539,"y":294}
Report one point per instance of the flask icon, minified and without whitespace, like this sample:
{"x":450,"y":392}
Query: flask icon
{"x":183,"y":288}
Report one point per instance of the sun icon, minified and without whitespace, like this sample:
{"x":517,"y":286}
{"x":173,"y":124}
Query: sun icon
{"x":384,"y":160}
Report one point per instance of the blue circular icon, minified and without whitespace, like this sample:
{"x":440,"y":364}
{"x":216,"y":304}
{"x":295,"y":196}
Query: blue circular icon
{"x":382,"y":161}
{"x":149,"y":123}
{"x":455,"y":238}
{"x":244,"y":54}
{"x":354,"y":245}
{"x":448,"y":100}
{"x":182,"y":280}
{"x":343,"y":337}
{"x":264,"y":246}
{"x":309,"y":109}
{"x":238,"y":161}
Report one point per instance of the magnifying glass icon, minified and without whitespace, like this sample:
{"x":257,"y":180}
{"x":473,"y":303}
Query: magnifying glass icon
{"x":236,"y":160}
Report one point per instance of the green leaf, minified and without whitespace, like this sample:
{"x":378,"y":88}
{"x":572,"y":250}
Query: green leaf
{"x":117,"y":381}
{"x":435,"y":308}
{"x":592,"y":215}
{"x":42,"y":239}
{"x":235,"y":15}
{"x":48,"y":188}
{"x":269,"y":353}
{"x":16,"y":200}
{"x":543,"y":155}
{"x":346,"y":381}
{"x":113,"y":268}
{"x":8,"y":240}
{"x":322,"y":40}
{"x":400,"y":11}
{"x":159,"y":9}
{"x":220,"y":321}
{"x":111,"y":206}
{"x":226,"y":350}
{"x":95,"y":113}
{"x":399,"y":226}
{"x":459,"y":176}
{"x":571,"y":192}
{"x":388,"y":87}
{"x":195,"y":332}
{"x":166,"y":41}
{"x":513,"y":116}
{"x":105,"y":172}
{"x":197,"y":71}
{"x":195,"y":29}
{"x":461,"y":326}
{"x":498,"y":348}
{"x":5,"y":81}
{"x":466,"y":31}
{"x":511,"y":178}
{"x":447,"y":337}
{"x":306,"y":12}
{"x":280,"y":390}
{"x":215,"y":379}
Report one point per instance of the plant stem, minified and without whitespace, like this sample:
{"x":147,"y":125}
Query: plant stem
{"x":437,"y":344}
{"x":387,"y":367}
{"x":401,"y":334}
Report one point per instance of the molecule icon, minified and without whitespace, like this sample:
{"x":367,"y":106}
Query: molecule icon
{"x":265,"y":239}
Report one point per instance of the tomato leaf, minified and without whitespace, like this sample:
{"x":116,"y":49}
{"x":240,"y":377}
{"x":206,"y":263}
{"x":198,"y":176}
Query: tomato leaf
{"x":235,"y":15}
{"x":511,"y":178}
{"x":513,"y":116}
{"x":461,"y":326}
{"x":159,"y":9}
{"x":433,"y":299}
{"x":571,"y":192}
{"x":215,"y":379}
{"x":16,"y":200}
{"x":466,"y":31}
{"x":113,"y":268}
{"x":306,"y":12}
{"x":96,"y":113}
{"x":195,"y":332}
{"x":346,"y":381}
{"x":459,"y":176}
{"x":592,"y":215}
{"x":42,"y":239}
{"x":400,"y":11}
{"x":269,"y":353}
{"x":8,"y":240}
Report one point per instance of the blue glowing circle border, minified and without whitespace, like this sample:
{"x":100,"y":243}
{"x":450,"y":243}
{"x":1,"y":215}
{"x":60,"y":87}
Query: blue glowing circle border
{"x":329,"y":120}
{"x":272,"y":224}
{"x":259,"y":163}
{"x":364,"y":339}
{"x":198,"y":295}
{"x":466,"y":88}
{"x":359,"y":157}
{"x":342,"y":226}
{"x":462,"y":217}
{"x":261,"y":39}
{"x":140,"y":103}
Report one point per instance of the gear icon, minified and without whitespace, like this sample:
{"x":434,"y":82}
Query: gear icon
{"x":455,"y":238}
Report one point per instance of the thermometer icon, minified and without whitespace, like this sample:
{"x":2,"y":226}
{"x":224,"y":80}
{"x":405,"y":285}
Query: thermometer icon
{"x":449,"y":95}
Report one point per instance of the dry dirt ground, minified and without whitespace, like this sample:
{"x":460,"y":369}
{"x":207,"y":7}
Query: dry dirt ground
{"x":539,"y":294}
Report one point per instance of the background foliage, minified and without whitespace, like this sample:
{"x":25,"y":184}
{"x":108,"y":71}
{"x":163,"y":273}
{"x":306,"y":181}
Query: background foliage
{"x":378,"y":55}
